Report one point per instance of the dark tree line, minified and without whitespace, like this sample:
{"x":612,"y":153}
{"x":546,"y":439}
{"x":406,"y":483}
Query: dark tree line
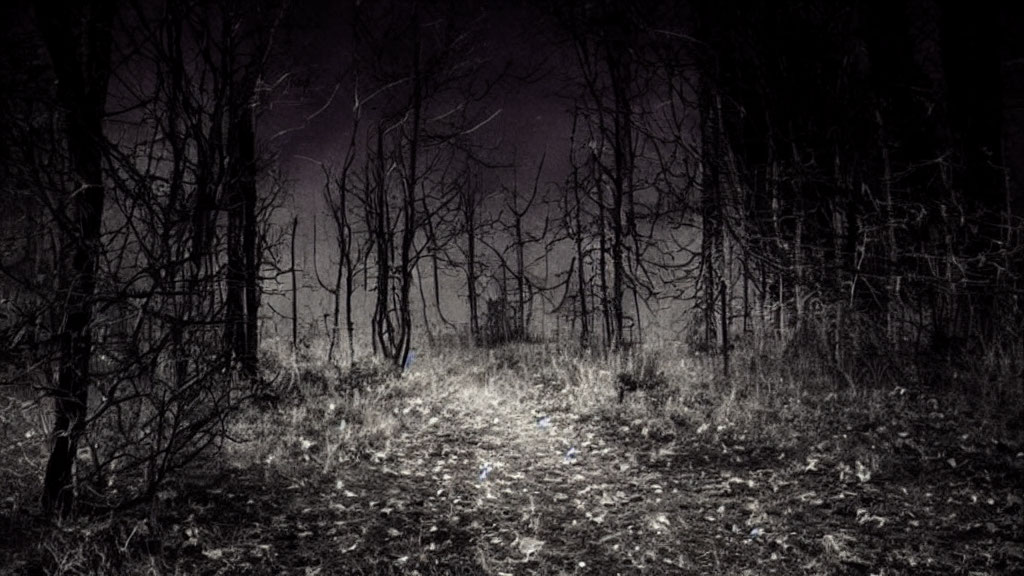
{"x":417,"y":82}
{"x":867,"y":144}
{"x":139,"y":165}
{"x":844,"y":164}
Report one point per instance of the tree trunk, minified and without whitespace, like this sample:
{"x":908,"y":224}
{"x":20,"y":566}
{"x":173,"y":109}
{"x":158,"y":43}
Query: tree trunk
{"x":350,"y":326}
{"x":711,"y":209}
{"x":295,"y":289}
{"x":619,"y":66}
{"x":383,"y":334}
{"x":725,"y":330}
{"x":251,"y":260}
{"x":581,"y":277}
{"x":78,"y":39}
{"x":577,"y":224}
{"x":410,"y":217}
{"x":602,"y":252}
{"x":423,"y":303}
{"x":338,"y":277}
{"x":234,"y":305}
{"x":471,"y":279}
{"x":520,"y":279}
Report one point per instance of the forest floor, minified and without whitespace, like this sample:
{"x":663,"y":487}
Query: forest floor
{"x":505,"y":474}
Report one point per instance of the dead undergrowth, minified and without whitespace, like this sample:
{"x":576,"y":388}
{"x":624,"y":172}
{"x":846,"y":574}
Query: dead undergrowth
{"x":522,"y":461}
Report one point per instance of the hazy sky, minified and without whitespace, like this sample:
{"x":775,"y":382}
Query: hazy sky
{"x":310,"y":123}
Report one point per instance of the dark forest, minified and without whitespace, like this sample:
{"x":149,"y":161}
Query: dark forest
{"x":511,"y":287}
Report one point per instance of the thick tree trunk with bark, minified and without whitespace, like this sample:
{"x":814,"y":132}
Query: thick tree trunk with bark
{"x":79,"y":42}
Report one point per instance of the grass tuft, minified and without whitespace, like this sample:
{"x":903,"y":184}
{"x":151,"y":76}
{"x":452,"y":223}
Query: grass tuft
{"x":363,"y":438}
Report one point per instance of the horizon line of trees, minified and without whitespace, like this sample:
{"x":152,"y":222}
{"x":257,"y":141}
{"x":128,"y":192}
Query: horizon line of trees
{"x":847,"y":165}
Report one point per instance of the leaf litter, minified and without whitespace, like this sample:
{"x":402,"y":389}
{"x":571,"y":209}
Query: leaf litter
{"x":523,"y":487}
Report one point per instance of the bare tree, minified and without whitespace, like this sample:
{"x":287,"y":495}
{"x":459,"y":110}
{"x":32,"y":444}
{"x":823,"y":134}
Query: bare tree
{"x":429,"y":84}
{"x":143,"y":242}
{"x":470,"y":199}
{"x":79,"y":43}
{"x":521,"y":239}
{"x":628,"y":103}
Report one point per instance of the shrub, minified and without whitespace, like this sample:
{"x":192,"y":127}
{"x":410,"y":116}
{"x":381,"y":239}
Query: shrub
{"x":642,"y":372}
{"x":365,"y":374}
{"x":501,"y":323}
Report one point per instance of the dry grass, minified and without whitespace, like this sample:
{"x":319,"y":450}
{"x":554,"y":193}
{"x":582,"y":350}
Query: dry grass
{"x":325,"y":418}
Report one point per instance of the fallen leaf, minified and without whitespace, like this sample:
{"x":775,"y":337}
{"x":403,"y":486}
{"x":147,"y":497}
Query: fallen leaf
{"x":863,"y":473}
{"x":530,"y":546}
{"x":659,"y":523}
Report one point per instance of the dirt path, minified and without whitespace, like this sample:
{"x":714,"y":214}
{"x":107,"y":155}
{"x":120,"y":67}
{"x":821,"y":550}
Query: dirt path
{"x":489,"y":485}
